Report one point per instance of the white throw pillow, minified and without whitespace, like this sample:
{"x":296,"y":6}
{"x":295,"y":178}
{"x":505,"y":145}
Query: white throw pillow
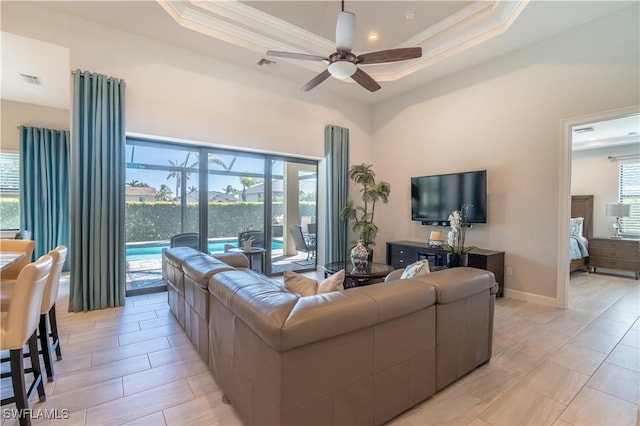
{"x":308,"y":287}
{"x":575,"y":226}
{"x":300,"y":284}
{"x":332,"y":283}
{"x":421,"y":267}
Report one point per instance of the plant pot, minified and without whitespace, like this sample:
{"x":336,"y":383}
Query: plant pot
{"x":246,"y":245}
{"x":455,"y":260}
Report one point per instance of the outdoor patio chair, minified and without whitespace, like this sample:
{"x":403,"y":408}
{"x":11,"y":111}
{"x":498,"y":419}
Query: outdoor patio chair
{"x":187,"y":239}
{"x":302,"y":244}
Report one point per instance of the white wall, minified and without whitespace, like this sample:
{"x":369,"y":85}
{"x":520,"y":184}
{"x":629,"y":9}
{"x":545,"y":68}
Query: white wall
{"x":14,"y":114}
{"x":506,"y":116}
{"x":592,"y":173}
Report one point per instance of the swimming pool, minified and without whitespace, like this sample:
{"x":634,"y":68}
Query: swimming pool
{"x":153,"y":250}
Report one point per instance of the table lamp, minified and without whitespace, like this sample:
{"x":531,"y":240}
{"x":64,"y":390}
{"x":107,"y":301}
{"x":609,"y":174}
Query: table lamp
{"x":619,"y":211}
{"x":435,"y":239}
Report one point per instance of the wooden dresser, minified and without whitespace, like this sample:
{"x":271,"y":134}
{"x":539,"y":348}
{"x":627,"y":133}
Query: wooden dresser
{"x":615,"y":253}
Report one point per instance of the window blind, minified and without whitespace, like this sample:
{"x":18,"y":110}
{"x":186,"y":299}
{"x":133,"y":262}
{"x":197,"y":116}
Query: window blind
{"x":629,"y":190}
{"x":9,"y":190}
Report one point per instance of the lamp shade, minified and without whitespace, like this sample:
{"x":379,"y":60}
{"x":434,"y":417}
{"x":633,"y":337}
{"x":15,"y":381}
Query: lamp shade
{"x":618,"y":210}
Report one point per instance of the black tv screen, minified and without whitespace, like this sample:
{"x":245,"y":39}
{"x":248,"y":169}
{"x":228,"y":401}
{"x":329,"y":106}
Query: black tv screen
{"x":433,"y":198}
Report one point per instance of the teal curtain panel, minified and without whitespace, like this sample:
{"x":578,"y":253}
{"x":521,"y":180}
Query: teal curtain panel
{"x":44,"y":187}
{"x":97,"y":193}
{"x":336,"y":148}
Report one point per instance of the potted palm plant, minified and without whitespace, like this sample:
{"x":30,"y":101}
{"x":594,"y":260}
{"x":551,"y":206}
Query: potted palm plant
{"x":362,"y":216}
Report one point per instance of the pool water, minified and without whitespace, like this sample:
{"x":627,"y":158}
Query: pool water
{"x":149,"y":251}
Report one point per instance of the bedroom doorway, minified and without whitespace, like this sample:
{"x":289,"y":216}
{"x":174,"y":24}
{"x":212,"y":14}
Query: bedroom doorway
{"x":592,"y":143}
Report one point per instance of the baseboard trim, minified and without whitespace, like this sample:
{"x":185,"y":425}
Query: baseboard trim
{"x":530,"y":297}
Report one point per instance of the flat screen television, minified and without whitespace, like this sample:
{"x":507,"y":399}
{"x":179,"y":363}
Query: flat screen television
{"x":433,"y":198}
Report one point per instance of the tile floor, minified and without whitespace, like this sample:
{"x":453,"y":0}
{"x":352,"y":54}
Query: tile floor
{"x":134,"y":365}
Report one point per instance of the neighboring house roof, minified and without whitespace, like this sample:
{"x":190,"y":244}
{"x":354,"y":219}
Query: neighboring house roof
{"x":140,"y":191}
{"x":307,"y":186}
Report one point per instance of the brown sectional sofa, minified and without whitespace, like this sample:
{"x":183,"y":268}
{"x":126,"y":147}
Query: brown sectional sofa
{"x":359,"y":356}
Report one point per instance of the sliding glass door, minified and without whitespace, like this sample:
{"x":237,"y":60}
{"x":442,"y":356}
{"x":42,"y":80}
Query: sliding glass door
{"x":216,"y":205}
{"x":161,"y":201}
{"x":293,"y":206}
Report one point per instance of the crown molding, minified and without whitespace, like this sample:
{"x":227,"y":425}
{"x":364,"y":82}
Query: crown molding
{"x":236,"y":23}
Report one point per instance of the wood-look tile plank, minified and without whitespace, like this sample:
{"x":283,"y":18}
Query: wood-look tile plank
{"x":594,"y":340}
{"x":204,"y":410}
{"x":148,"y":379}
{"x":555,"y":381}
{"x":78,"y":399}
{"x":155,"y":419}
{"x":132,"y":407}
{"x":88,"y":346}
{"x":625,"y":356}
{"x":100,"y":333}
{"x":128,"y":351}
{"x":149,"y":334}
{"x":617,"y":381}
{"x":158,"y":322}
{"x":592,"y":407}
{"x":204,"y":384}
{"x":79,"y":379}
{"x":171,"y":355}
{"x":521,"y":406}
{"x":450,"y":406}
{"x":577,"y":358}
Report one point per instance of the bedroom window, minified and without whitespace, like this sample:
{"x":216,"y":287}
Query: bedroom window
{"x":629,"y":190}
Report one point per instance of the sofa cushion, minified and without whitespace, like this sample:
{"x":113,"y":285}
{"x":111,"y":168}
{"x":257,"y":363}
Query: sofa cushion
{"x":177,"y":255}
{"x":201,"y":267}
{"x":418,"y":268}
{"x":458,"y":283}
{"x":305,"y":286}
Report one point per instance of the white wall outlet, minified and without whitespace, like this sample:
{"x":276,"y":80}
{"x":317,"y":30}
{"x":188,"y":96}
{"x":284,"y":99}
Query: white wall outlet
{"x":509,"y":271}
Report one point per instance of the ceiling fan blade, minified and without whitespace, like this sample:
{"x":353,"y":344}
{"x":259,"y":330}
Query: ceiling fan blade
{"x":391,"y":55}
{"x":345,"y":29}
{"x":365,"y":80}
{"x":316,"y":80}
{"x":293,"y":55}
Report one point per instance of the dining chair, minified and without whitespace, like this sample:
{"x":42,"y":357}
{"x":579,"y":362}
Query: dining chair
{"x":48,"y":328}
{"x":18,"y":327}
{"x":18,"y":246}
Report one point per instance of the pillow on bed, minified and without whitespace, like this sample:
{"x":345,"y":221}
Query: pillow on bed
{"x":575,"y":226}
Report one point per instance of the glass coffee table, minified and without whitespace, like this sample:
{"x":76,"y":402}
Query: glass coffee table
{"x":354,"y":277}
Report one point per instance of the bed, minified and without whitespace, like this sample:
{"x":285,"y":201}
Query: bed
{"x":581,"y":207}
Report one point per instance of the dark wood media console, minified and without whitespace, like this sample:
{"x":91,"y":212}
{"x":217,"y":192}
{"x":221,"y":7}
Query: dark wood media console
{"x":403,"y":253}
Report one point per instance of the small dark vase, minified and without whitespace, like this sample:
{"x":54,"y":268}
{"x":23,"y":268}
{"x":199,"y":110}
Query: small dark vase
{"x":457,"y":259}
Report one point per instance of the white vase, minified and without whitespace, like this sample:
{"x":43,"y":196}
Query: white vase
{"x":247,"y":246}
{"x":360,"y":255}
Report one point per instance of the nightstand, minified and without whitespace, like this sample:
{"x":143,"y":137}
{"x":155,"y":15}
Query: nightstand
{"x":615,"y":253}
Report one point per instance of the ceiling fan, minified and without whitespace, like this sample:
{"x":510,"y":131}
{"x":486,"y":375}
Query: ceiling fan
{"x":343,"y":64}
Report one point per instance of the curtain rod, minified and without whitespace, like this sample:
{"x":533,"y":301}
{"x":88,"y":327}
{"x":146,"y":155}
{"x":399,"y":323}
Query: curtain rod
{"x":93,"y":73}
{"x":622,"y":157}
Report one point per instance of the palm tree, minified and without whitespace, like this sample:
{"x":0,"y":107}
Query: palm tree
{"x":191,"y":189}
{"x":164,"y":193}
{"x":137,"y":184}
{"x":247,"y":182}
{"x":177,"y":174}
{"x":229,"y":190}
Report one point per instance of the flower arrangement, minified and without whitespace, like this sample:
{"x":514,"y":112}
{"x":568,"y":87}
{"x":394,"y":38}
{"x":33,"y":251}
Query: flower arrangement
{"x":457,"y":234}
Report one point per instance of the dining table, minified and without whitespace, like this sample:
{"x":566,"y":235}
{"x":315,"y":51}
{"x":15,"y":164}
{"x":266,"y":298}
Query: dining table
{"x":8,"y":258}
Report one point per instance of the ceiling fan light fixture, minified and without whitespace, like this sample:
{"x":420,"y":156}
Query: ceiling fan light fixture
{"x":342,"y":69}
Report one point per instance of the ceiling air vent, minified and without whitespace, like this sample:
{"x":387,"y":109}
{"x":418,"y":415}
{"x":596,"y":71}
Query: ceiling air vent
{"x":31,"y":79}
{"x":265,"y":61}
